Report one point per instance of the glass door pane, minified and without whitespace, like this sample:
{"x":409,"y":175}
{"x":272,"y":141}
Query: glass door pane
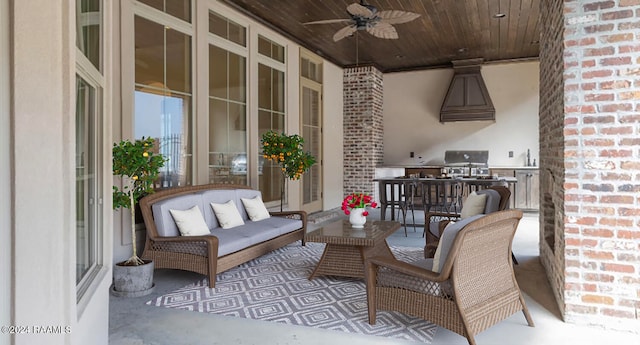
{"x":271,"y":116}
{"x":312,"y":135}
{"x":86,"y":208}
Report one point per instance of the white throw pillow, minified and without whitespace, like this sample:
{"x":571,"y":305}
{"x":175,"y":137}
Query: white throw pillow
{"x":473,"y":205}
{"x":190,"y":222}
{"x":227,"y":214}
{"x":255,"y":208}
{"x":436,"y":256}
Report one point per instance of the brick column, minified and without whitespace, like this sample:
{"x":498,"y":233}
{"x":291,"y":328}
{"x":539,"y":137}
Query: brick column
{"x":551,"y":127}
{"x":591,"y":207}
{"x":363,"y":128}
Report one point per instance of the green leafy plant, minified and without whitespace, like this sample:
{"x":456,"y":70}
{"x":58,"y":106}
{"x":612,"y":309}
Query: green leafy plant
{"x":139,"y":167}
{"x":287,"y":151}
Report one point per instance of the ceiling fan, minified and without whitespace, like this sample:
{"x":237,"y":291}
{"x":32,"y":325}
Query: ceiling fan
{"x":366,"y":17}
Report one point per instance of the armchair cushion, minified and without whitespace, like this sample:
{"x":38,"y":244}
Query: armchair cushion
{"x":473,"y":205}
{"x":492,"y":203}
{"x":446,"y":241}
{"x":435,"y":265}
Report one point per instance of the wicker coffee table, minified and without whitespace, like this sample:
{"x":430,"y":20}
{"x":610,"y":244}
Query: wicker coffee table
{"x":347,"y":248}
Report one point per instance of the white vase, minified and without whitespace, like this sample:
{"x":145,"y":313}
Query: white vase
{"x":356,"y":218}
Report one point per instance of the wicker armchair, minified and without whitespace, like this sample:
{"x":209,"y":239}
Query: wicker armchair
{"x":435,"y":222}
{"x":474,"y":290}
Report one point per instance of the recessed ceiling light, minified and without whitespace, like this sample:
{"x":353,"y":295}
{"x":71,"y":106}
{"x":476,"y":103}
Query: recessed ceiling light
{"x":499,"y":15}
{"x":462,"y":50}
{"x":399,"y":56}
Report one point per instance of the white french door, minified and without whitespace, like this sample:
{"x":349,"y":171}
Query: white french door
{"x":311,"y":113}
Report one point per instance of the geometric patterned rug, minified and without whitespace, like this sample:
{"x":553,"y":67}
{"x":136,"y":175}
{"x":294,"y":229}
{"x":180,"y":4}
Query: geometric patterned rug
{"x":274,"y":287}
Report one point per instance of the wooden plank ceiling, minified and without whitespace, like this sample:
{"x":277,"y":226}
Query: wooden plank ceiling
{"x":446,"y":30}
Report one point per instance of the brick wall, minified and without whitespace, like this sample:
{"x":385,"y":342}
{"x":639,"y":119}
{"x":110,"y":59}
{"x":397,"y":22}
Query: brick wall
{"x":363,"y":128}
{"x":591,"y":204}
{"x":551,"y":134}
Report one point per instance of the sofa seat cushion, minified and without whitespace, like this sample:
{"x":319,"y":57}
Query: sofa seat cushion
{"x":231,"y":241}
{"x":251,"y":233}
{"x":284,"y":225}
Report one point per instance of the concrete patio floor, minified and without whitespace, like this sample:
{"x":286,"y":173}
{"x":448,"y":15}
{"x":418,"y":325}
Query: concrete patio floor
{"x":132,"y":322}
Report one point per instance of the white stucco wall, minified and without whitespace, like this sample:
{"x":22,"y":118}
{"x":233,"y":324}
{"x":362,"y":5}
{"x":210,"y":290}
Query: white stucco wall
{"x":6,"y":234}
{"x":42,"y":221}
{"x":412,"y":102}
{"x":43,"y":170}
{"x":333,"y":167}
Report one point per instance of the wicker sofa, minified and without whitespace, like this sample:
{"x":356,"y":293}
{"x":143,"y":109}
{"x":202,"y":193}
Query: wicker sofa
{"x":222,"y":249}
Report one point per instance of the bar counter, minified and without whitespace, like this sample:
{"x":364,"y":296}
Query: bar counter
{"x":433,"y":193}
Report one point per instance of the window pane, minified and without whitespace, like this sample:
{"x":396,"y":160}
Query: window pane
{"x":270,"y":117}
{"x":278,"y":91}
{"x":228,"y":160}
{"x":304,"y":68}
{"x":166,"y":117}
{"x":162,"y":55}
{"x":278,"y":52}
{"x":237,"y":79}
{"x":88,"y":30}
{"x":149,"y":52}
{"x":306,"y":104}
{"x":163,"y":99}
{"x":270,"y":49}
{"x":264,"y":122}
{"x":217,"y":25}
{"x":264,"y":87}
{"x":264,"y":46}
{"x":237,"y":34}
{"x":218,"y":72}
{"x":180,"y":9}
{"x":227,"y":29}
{"x":86,"y":206}
{"x":178,"y":61}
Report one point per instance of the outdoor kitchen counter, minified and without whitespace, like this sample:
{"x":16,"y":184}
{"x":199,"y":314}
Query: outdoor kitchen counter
{"x":439,"y":166}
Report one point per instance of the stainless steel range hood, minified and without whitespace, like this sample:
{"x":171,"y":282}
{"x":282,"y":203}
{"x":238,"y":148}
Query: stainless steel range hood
{"x":467,"y":98}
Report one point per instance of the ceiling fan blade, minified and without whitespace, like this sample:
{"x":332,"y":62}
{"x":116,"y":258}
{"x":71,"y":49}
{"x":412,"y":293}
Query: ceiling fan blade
{"x":397,"y":17}
{"x":344,"y":32}
{"x":358,"y":10}
{"x":328,"y":21}
{"x":383,"y":30}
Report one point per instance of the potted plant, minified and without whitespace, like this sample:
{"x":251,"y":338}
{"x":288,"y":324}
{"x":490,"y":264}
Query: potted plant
{"x":138,"y":166}
{"x":286,"y":150}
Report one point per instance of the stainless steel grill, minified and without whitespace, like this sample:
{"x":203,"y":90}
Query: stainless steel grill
{"x":466,"y":163}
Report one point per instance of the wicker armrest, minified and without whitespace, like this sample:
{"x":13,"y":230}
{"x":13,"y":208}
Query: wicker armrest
{"x":406,"y":268}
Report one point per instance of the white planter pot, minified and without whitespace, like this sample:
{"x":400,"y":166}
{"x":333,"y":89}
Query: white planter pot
{"x":356,"y":218}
